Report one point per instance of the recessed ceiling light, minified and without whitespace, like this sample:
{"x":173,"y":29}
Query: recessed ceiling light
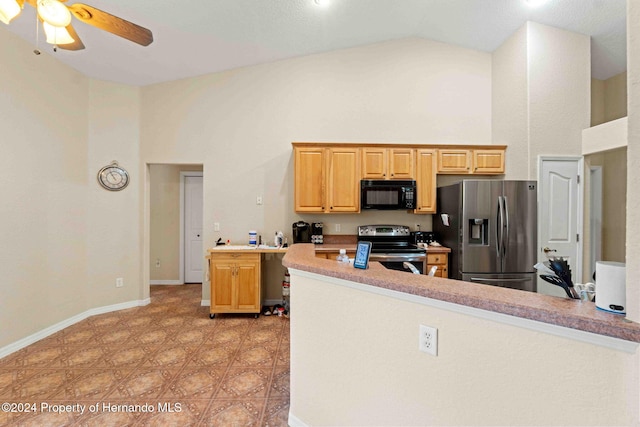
{"x":322,"y":3}
{"x":535,"y":3}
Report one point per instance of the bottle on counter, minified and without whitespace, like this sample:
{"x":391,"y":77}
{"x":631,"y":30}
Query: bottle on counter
{"x":342,"y":256}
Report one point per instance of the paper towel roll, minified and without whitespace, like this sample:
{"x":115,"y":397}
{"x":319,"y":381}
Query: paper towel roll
{"x":611,"y":286}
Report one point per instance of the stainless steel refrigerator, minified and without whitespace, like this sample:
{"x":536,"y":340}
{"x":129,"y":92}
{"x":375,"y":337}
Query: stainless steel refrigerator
{"x":491,"y":228}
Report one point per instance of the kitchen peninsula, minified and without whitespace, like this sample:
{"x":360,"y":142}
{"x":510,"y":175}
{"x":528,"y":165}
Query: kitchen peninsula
{"x":506,"y":354}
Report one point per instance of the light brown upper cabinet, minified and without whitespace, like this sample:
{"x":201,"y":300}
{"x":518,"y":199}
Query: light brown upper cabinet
{"x":387,"y":163}
{"x":327,"y":179}
{"x":309,"y":170}
{"x":488,"y":162}
{"x":342,"y":180}
{"x":426,"y":181}
{"x":471,"y":161}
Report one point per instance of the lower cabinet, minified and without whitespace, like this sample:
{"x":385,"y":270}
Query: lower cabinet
{"x":235,"y":283}
{"x":440,"y":260}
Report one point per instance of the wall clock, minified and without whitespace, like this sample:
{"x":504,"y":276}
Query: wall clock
{"x":113,"y":177}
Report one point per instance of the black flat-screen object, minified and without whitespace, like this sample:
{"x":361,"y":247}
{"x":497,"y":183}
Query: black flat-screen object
{"x":362,"y":255}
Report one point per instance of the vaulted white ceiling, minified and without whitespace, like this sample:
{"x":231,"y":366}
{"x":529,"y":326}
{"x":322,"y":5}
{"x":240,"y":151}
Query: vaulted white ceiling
{"x":203,"y":36}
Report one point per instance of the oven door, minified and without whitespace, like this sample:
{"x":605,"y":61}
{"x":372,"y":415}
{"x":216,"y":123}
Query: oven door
{"x":395,"y":261}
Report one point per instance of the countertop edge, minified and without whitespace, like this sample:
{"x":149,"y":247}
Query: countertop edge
{"x":574,"y":314}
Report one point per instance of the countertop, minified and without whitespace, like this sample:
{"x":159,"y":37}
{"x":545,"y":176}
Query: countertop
{"x":326,"y":247}
{"x":333,"y":247}
{"x":263,"y":249}
{"x":575,"y":314}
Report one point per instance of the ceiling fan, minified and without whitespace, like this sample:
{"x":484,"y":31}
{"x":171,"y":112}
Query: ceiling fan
{"x":56,"y":20}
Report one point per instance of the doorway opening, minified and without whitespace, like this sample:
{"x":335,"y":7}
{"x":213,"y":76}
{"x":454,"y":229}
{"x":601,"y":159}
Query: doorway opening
{"x":175,"y":200}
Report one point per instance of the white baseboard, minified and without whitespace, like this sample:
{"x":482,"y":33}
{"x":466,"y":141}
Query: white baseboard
{"x":205,"y":303}
{"x":294,"y":421}
{"x":13,"y":347}
{"x":166,"y":282}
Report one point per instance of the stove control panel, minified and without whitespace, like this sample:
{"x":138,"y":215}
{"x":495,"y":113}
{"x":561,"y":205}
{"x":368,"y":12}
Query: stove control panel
{"x":383,"y":230}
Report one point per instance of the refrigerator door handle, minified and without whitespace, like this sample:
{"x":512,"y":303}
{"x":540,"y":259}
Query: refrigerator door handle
{"x":505,"y":235}
{"x":499,"y":228}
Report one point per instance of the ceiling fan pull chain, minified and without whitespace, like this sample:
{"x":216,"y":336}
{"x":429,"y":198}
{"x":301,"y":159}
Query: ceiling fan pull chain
{"x":36,"y":50}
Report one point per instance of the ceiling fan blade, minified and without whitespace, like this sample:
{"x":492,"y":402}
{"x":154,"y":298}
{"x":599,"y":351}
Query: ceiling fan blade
{"x":113,"y":24}
{"x":77,"y":44}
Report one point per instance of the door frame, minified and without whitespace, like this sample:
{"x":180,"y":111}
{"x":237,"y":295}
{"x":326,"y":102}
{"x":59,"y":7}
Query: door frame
{"x":595,"y":214}
{"x":183,"y":175}
{"x":579,"y":209}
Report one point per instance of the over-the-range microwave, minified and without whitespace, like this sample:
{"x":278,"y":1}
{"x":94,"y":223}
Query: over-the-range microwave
{"x":387,"y":194}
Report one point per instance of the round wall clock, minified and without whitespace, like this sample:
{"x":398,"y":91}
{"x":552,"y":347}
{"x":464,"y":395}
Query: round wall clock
{"x":113,"y":177}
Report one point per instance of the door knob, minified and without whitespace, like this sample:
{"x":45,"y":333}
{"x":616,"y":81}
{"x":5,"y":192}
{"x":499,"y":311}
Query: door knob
{"x":546,"y":250}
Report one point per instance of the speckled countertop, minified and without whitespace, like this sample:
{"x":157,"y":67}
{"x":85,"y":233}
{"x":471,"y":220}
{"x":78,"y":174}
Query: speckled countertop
{"x":574,"y":314}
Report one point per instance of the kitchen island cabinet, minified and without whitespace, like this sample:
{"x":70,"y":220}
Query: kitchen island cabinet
{"x":235,"y":279}
{"x":235,"y":283}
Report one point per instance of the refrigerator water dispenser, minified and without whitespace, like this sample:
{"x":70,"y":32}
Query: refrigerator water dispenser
{"x":478,"y":231}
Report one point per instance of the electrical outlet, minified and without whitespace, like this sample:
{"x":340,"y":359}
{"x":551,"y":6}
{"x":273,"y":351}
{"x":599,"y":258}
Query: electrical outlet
{"x":259,"y":200}
{"x":338,"y":227}
{"x":216,"y":226}
{"x":119,"y":282}
{"x":157,"y":262}
{"x":428,"y":340}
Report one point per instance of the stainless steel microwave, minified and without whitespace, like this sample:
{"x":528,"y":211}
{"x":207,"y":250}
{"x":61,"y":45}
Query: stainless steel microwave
{"x":387,"y":194}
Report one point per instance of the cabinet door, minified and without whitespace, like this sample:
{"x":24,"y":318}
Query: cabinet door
{"x":374,"y":163}
{"x":309,"y":179}
{"x":488,"y":162}
{"x":401,"y":163}
{"x":426,"y":181}
{"x":222,"y":275}
{"x":343,"y":180}
{"x":247,"y":281}
{"x":454,"y":161}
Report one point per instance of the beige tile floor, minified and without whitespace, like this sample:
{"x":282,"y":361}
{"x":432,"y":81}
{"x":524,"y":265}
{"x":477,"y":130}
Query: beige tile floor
{"x":165,"y":364}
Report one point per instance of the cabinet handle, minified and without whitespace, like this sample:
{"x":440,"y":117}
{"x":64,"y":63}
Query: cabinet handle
{"x":384,"y":174}
{"x":392,"y":174}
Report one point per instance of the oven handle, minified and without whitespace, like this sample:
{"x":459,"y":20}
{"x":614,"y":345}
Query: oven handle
{"x":397,"y":257}
{"x":481,"y":279}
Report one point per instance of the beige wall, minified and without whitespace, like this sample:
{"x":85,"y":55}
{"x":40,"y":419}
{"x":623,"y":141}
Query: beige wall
{"x":165,"y":220}
{"x":363,"y":366}
{"x":608,"y":99}
{"x":614,"y":202}
{"x":510,"y":106}
{"x":541,"y":96}
{"x":633,"y":165}
{"x":64,"y":239}
{"x":240,"y":124}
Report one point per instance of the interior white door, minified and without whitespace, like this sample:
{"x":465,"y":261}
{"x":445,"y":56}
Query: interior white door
{"x":559,"y":215}
{"x":193,"y":254}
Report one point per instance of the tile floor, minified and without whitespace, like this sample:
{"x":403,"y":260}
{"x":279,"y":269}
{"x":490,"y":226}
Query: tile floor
{"x":165,"y":364}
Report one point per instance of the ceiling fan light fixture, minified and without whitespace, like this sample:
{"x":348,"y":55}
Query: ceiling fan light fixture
{"x":57,"y":35}
{"x":9,"y":9}
{"x":54,"y":13}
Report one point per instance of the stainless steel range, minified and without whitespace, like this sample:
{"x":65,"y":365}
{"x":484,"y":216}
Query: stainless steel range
{"x":392,"y":246}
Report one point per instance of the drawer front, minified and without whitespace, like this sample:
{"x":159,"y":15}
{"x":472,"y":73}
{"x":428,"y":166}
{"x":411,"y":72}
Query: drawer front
{"x":436,"y":259}
{"x":235,"y":257}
